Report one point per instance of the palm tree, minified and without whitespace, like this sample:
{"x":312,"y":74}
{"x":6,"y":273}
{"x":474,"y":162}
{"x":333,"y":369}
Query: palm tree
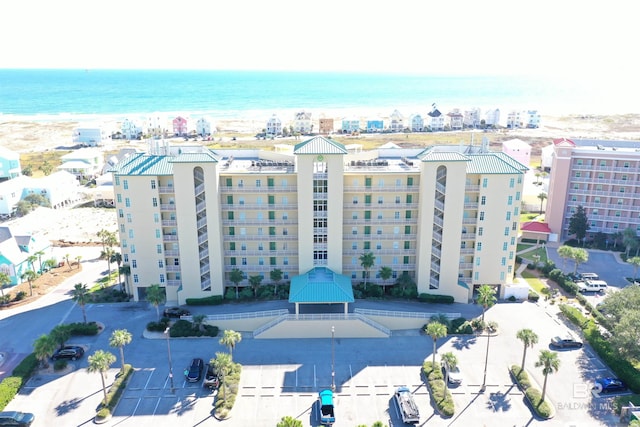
{"x":385,"y":273}
{"x":367,"y":260}
{"x":4,"y":281}
{"x":550,"y":363}
{"x":635,"y":262}
{"x":119,"y":338}
{"x":449,"y":359}
{"x":126,"y":272}
{"x":80,"y":295}
{"x":107,"y":255}
{"x":236,"y":277}
{"x":289,"y":422}
{"x":78,"y":258}
{"x":435,"y":330}
{"x":101,"y":361}
{"x":60,"y":334}
{"x":66,"y":258}
{"x":31,"y":261}
{"x":230,"y":338}
{"x":565,"y":252}
{"x":30,"y":276}
{"x":542,"y":197}
{"x":486,"y":298}
{"x":198,"y":321}
{"x":529,"y":339}
{"x":39,"y":254}
{"x":117,"y":258}
{"x":156,"y":296}
{"x":43,"y":348}
{"x":579,"y":256}
{"x":255,"y":281}
{"x":222,"y":364}
{"x":276,"y":276}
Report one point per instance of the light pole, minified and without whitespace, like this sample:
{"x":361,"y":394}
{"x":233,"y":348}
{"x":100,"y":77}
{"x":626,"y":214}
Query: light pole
{"x":166,"y":331}
{"x":333,"y":360}
{"x":486,"y":361}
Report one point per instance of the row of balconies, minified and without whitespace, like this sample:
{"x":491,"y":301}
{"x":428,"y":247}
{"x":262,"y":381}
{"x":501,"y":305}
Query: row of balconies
{"x":261,"y":189}
{"x":633,"y":168}
{"x":611,"y":194}
{"x":259,"y":222}
{"x":606,"y":181}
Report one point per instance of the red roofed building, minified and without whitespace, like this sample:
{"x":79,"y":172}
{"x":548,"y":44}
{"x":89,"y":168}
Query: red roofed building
{"x":534,"y":230}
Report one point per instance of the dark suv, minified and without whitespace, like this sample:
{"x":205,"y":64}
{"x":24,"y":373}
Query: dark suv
{"x":68,"y":352}
{"x":565,"y":342}
{"x":175,"y":312}
{"x":195,"y":370}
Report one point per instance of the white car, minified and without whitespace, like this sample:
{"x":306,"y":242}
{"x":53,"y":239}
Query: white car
{"x":452,"y":374}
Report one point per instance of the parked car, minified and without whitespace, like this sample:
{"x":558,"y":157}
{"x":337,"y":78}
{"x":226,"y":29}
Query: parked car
{"x":175,"y":312}
{"x":565,"y":342}
{"x":16,"y":419}
{"x":609,"y":385}
{"x":452,"y":374}
{"x":72,"y":352}
{"x":194,"y":373}
{"x":211,"y":378}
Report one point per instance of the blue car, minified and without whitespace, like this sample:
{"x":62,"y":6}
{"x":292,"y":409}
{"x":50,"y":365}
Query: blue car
{"x":609,"y":385}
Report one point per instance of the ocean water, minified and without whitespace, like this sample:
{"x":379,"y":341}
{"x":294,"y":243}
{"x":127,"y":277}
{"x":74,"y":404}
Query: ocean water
{"x":87,"y":94}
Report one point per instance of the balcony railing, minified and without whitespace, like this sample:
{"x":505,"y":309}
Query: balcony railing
{"x":254,"y":189}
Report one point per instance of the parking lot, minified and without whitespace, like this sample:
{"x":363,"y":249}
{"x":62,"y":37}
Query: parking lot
{"x":282,"y":377}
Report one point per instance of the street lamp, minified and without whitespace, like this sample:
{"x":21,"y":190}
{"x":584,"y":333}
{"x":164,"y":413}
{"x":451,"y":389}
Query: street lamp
{"x":166,"y":331}
{"x":333,"y":360}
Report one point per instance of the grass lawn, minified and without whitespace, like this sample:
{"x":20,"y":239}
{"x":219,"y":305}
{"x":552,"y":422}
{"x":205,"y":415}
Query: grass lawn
{"x":533,"y":281}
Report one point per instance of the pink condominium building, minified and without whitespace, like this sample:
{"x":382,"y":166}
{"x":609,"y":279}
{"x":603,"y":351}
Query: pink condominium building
{"x":446,"y":216}
{"x":601,"y":176}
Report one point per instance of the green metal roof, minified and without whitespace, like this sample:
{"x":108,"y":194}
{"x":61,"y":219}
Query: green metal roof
{"x":320,"y":285}
{"x":319,"y":145}
{"x":492,"y":163}
{"x":144,"y":164}
{"x":203,"y":157}
{"x":513,"y":162}
{"x":432,"y":155}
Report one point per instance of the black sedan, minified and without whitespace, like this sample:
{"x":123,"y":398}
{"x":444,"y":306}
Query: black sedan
{"x":68,"y":352}
{"x":175,"y":312}
{"x":609,"y":385}
{"x":16,"y":419}
{"x":194,"y":373}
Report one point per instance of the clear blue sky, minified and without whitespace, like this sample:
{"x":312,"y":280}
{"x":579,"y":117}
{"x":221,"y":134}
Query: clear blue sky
{"x":416,"y":36}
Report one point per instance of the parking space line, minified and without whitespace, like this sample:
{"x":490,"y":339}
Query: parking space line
{"x":156,"y":408}
{"x":136,"y":408}
{"x":149,"y":379}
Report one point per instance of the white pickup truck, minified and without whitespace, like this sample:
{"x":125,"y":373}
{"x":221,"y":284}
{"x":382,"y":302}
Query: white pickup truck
{"x":408,"y":408}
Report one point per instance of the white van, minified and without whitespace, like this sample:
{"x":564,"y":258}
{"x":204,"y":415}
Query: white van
{"x":589,"y":276}
{"x":592,"y":286}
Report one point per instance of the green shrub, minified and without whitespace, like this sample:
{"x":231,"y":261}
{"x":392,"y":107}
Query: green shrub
{"x":212,"y":300}
{"x":118,"y":387}
{"x":535,"y":399}
{"x":103,"y":414}
{"x":265,"y":292}
{"x":160,"y":326}
{"x":20,"y":296}
{"x":374,"y":291}
{"x":246,"y":293}
{"x":435,"y":298}
{"x":84,"y":329}
{"x":59,"y":364}
{"x":438,"y":389}
{"x":229,"y":294}
{"x":533,"y":296}
{"x":184,"y":328}
{"x":10,"y":386}
{"x":520,"y":376}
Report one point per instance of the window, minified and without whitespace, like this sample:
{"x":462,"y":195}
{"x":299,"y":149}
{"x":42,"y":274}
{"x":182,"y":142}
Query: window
{"x":397,"y":199}
{"x":380,"y":216}
{"x":126,"y":258}
{"x":596,"y":200}
{"x":154,"y":202}
{"x":514,"y":226}
{"x":157,"y":233}
{"x":502,"y":275}
{"x":508,"y":216}
{"x":517,"y":195}
{"x":482,"y":216}
{"x":241,"y":200}
{"x":483,"y":200}
{"x":516,"y":211}
{"x":600,"y":175}
{"x":125,"y":184}
{"x":135,"y":278}
{"x":619,"y":201}
{"x":243,"y":231}
{"x":122,"y":228}
{"x":512,"y":183}
{"x":129,"y":217}
{"x":380,"y":200}
{"x":603,"y":163}
{"x":355,"y":200}
{"x":379,"y":231}
{"x":485,"y":182}
{"x":396,"y":230}
{"x":396,"y":215}
{"x":506,"y":231}
{"x":120,"y":213}
{"x":119,"y":197}
{"x":479,"y":246}
{"x":354,"y":246}
{"x":156,"y":218}
{"x":134,"y":263}
{"x":259,"y":200}
{"x":396,"y":245}
{"x":260,"y":261}
{"x":513,"y":240}
{"x":243,"y":261}
{"x":378,"y":246}
{"x":285,"y":261}
{"x":285,"y":215}
{"x":510,"y":200}
{"x":478,"y":261}
{"x":153,"y":184}
{"x":127,"y":202}
{"x":133,"y":249}
{"x":241,"y":183}
{"x":159,"y":249}
{"x":117,"y":180}
{"x":354,"y":215}
{"x":354,"y":230}
{"x":260,"y":246}
{"x":504,"y":246}
{"x":594,"y":212}
{"x":511,"y":255}
{"x":160,"y":263}
{"x":617,"y":213}
{"x":503,"y":261}
{"x":480,"y":231}
{"x":578,"y":174}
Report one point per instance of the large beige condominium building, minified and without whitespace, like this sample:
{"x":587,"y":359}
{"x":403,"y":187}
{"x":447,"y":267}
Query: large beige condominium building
{"x":447,"y":216}
{"x":603,"y":177}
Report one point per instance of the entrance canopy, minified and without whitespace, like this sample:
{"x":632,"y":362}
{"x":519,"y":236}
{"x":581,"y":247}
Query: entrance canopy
{"x":321,"y":286}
